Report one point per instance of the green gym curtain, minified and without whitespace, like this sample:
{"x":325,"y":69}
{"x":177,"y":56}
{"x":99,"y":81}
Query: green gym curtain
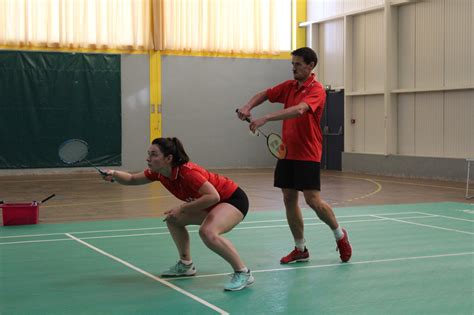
{"x":47,"y":98}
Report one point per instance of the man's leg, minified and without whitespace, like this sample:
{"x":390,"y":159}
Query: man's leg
{"x":326,"y":214}
{"x":322,"y":209}
{"x":293,"y":213}
{"x":296,"y":224}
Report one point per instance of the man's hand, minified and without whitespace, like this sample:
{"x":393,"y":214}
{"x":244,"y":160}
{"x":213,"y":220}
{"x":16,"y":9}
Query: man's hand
{"x":243,"y":113}
{"x":257,"y":123}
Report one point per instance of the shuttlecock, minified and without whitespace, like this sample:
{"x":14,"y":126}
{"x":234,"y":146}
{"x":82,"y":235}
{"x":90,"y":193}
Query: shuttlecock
{"x":256,"y":133}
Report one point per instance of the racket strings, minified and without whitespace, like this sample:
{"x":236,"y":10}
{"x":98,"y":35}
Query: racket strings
{"x":276,"y":146}
{"x":73,"y":151}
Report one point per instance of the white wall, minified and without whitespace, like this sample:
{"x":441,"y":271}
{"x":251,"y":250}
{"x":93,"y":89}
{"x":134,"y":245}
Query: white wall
{"x":200,"y":95}
{"x":407,"y":68}
{"x":319,"y":9}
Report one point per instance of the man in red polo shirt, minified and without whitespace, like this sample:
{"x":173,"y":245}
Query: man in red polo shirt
{"x":304,"y":100}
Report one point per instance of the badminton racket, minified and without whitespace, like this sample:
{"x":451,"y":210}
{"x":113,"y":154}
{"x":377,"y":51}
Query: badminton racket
{"x":275,"y":144}
{"x":73,"y":151}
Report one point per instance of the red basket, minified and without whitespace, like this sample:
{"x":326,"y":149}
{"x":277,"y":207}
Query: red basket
{"x":20,"y":213}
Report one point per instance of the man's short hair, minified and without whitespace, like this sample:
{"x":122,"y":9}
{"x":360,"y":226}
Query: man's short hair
{"x":307,"y":53}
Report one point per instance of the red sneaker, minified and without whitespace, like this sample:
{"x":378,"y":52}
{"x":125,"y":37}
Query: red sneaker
{"x":295,"y":256}
{"x":344,"y":247}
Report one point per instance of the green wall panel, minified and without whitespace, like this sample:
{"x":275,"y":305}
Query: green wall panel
{"x":47,"y":98}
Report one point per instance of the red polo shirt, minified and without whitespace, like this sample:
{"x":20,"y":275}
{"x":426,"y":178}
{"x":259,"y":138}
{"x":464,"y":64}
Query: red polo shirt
{"x":186,"y":180}
{"x":302,"y":135}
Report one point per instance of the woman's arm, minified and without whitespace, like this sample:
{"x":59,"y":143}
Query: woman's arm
{"x":125,"y":178}
{"x":209,"y":197}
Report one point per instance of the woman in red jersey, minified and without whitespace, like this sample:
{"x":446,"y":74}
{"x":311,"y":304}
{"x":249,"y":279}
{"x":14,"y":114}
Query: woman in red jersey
{"x":212,"y":201}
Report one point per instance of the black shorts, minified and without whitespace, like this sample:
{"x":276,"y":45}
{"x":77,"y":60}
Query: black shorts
{"x":239,"y":200}
{"x":299,"y":175}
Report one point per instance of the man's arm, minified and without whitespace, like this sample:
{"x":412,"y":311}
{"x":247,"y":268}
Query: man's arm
{"x":257,"y":99}
{"x":287,"y":113}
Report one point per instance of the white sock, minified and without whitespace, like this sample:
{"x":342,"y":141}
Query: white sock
{"x":300,"y":244}
{"x":338,"y":234}
{"x":186,"y":262}
{"x":244,"y":270}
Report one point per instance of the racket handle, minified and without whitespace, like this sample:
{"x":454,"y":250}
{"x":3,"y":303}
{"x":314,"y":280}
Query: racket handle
{"x":246,"y":118}
{"x":47,"y":198}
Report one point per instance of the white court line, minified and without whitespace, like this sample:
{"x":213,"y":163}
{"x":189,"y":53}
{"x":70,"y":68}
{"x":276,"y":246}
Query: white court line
{"x":448,"y":217}
{"x":425,"y":225}
{"x":149,"y":275}
{"x":195,"y":231}
{"x":164,"y":227}
{"x":87,"y":232}
{"x":334,"y":265}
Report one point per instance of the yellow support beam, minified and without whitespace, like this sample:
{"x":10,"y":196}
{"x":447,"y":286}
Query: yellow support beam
{"x":155,"y":94}
{"x":298,"y":34}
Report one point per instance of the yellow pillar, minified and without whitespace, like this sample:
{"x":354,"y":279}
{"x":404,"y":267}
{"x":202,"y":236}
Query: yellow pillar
{"x":298,"y":34}
{"x":155,"y":94}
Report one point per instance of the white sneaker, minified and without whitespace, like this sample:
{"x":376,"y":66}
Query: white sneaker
{"x":239,"y":281}
{"x":180,"y":270}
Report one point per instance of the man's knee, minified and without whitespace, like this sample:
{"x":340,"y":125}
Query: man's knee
{"x":290,"y":198}
{"x":314,"y":202}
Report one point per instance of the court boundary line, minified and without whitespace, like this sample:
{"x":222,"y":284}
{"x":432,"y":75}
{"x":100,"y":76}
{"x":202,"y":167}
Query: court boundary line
{"x":149,"y":275}
{"x":331,"y":265}
{"x":164,"y":227}
{"x":425,"y":225}
{"x":196,"y":231}
{"x":448,"y":217}
{"x":377,"y":190}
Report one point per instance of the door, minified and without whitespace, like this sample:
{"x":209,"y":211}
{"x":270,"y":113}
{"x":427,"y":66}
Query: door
{"x":332,"y":126}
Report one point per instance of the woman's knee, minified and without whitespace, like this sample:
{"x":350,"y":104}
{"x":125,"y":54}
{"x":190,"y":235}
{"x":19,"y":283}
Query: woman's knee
{"x":175,"y":222}
{"x":207,"y":234}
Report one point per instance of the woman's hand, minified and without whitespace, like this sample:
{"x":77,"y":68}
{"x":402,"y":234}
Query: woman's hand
{"x":108,"y":175}
{"x":173,"y":214}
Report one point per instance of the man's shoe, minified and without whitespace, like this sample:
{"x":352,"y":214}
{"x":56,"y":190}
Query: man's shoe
{"x":295,"y":256}
{"x":180,"y":270}
{"x":239,"y":281}
{"x":344,"y":247}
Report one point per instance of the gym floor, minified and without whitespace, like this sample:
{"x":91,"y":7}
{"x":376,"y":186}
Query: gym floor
{"x":99,"y":249}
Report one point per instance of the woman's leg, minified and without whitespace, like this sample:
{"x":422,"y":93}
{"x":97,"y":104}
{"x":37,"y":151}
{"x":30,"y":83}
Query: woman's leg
{"x":179,"y":233}
{"x":221,"y":219}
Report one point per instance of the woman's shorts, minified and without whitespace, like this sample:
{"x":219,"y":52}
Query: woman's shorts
{"x":239,"y":200}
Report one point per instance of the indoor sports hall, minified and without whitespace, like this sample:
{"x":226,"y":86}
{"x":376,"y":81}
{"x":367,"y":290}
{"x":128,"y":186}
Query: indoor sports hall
{"x":381,"y":122}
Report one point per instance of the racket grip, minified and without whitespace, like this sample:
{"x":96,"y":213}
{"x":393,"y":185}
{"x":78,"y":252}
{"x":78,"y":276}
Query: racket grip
{"x":246,"y":118}
{"x":47,"y":198}
{"x":105,"y":174}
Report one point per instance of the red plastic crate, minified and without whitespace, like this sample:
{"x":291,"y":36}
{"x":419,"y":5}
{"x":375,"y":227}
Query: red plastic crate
{"x":20,"y":213}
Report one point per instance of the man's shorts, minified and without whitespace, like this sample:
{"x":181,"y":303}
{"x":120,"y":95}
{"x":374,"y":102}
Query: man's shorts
{"x":299,"y":175}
